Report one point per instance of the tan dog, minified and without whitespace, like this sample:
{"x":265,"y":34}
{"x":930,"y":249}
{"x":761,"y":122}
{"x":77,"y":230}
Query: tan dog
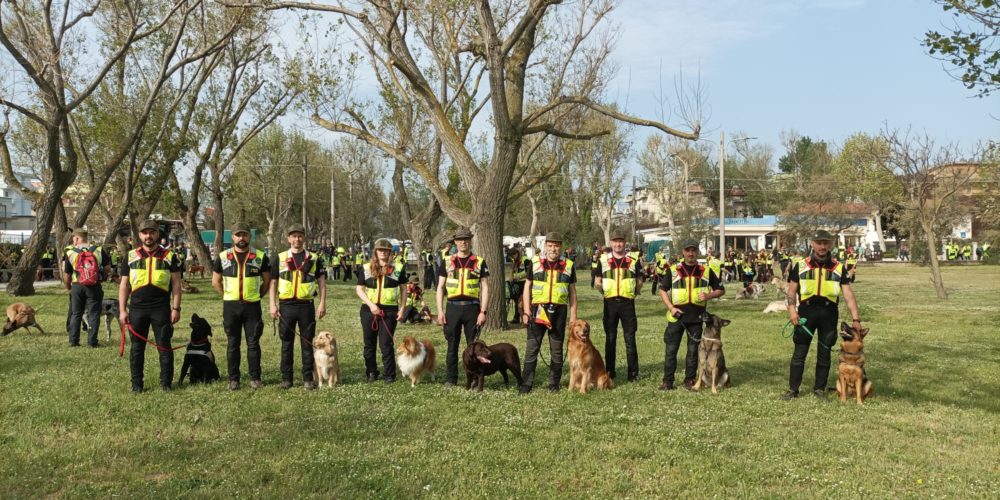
{"x":415,"y":358}
{"x":585,"y":364}
{"x":20,"y":315}
{"x":196,"y":268}
{"x":751,"y":292}
{"x":712,"y":369}
{"x":780,"y":286}
{"x":326,"y":363}
{"x":187,"y":287}
{"x":776,"y":306}
{"x":851,"y":378}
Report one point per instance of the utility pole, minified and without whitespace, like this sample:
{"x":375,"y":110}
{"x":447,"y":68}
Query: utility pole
{"x":305,"y":165}
{"x":635,"y":204}
{"x":722,"y":195}
{"x":333,"y":209}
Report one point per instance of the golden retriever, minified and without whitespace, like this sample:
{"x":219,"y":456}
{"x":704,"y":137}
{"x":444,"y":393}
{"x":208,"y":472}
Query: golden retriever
{"x":415,"y":359}
{"x":20,"y":315}
{"x":586,"y":367}
{"x":326,"y":363}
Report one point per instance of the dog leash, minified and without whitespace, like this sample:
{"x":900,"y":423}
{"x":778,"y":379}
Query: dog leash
{"x":802,"y":325}
{"x":290,"y":326}
{"x":375,"y":325}
{"x":121,"y":346}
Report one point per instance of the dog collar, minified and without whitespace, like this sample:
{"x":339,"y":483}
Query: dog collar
{"x":862,"y":351}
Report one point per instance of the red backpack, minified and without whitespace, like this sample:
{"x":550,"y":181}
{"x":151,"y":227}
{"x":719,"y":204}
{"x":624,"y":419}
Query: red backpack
{"x":87,"y":270}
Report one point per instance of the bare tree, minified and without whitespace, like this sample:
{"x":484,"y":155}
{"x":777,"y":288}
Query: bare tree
{"x":43,"y":42}
{"x":496,"y":44}
{"x":931,"y":177}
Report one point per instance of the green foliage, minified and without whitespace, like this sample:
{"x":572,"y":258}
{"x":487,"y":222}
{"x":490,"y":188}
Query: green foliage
{"x":806,"y":158}
{"x":71,"y":429}
{"x":970,"y":44}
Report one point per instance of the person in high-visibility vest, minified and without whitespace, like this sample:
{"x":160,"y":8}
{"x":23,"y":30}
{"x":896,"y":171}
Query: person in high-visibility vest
{"x":966,"y":251}
{"x":242,"y":275}
{"x":951,"y":251}
{"x":298,"y":278}
{"x":686,"y":290}
{"x":660,"y":267}
{"x":851,"y":266}
{"x":427,"y":257}
{"x":85,"y":297}
{"x":413,"y":312}
{"x":359,"y":260}
{"x":552,"y":282}
{"x":815,"y":285}
{"x":520,"y":267}
{"x":462,"y":280}
{"x":382,"y":288}
{"x":986,"y":250}
{"x":620,"y":282}
{"x":149,"y":295}
{"x":595,"y":265}
{"x":335,"y":263}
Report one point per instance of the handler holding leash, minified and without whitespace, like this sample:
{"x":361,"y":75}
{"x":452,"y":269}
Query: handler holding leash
{"x":150,"y":295}
{"x":462,"y":277}
{"x":817,"y":282}
{"x":686,"y":290}
{"x":619,"y":280}
{"x":241,"y":275}
{"x":301,"y":275}
{"x":553,"y":290}
{"x":382,"y":287}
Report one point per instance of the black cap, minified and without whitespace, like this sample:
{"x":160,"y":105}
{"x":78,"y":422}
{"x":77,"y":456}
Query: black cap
{"x":690,"y":244}
{"x":822,"y":235}
{"x":462,"y":234}
{"x":553,"y":236}
{"x":296,"y":228}
{"x":149,"y":225}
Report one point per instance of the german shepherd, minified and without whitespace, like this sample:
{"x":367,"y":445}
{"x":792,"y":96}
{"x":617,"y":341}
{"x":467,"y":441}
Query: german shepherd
{"x":711,"y":361}
{"x":851,"y":378}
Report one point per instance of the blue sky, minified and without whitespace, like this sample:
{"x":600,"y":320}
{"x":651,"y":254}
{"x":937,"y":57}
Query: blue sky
{"x":825,"y":68}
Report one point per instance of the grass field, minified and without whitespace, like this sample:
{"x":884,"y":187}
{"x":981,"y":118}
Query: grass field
{"x":70,"y":428}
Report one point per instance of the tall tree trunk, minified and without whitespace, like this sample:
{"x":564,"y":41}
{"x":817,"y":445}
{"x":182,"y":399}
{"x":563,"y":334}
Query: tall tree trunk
{"x":488,"y":229}
{"x":878,"y":229}
{"x":931,"y":240}
{"x":22,"y":279}
{"x":533,"y":232}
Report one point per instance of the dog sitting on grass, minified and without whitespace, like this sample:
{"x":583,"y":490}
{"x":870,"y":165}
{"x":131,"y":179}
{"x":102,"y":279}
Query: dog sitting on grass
{"x":851,"y":378}
{"x":712,"y":369}
{"x":199,"y":358}
{"x":586,"y":368}
{"x":326,"y":361}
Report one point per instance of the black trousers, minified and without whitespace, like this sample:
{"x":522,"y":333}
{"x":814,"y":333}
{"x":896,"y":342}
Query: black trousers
{"x":303,"y":316}
{"x":429,"y":283}
{"x":141,"y":321}
{"x":238,"y":319}
{"x":672,"y":338}
{"x":620,"y":311}
{"x":456,"y":319}
{"x":822,"y":320}
{"x":336,"y":272}
{"x":516,"y":290}
{"x":379,"y":329}
{"x":347,"y":272}
{"x":557,"y":316}
{"x":85,"y":300}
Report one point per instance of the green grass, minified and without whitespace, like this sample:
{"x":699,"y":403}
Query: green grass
{"x":70,"y":428}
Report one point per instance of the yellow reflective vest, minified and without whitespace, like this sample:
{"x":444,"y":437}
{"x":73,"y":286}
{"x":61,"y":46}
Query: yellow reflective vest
{"x":383,"y":291}
{"x":818,"y":281}
{"x":149,"y":269}
{"x":297,"y":283}
{"x":242,"y":282}
{"x":550,"y":283}
{"x":618,"y":276}
{"x":462,"y":280}
{"x":686,"y":286}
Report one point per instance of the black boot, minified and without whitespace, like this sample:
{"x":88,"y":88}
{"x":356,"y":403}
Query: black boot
{"x":528,"y":376}
{"x":555,"y":375}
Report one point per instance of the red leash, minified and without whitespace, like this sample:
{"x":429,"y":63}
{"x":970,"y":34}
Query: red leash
{"x":121,"y":346}
{"x":375,"y":320}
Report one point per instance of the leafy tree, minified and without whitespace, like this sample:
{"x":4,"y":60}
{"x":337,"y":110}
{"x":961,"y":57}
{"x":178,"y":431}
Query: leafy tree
{"x":971,"y":44}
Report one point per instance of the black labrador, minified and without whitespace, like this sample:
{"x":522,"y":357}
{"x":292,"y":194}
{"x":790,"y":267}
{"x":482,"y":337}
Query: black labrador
{"x":199,"y":357}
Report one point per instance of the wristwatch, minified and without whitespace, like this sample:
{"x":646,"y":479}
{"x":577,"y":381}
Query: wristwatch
{"x":178,"y":309}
